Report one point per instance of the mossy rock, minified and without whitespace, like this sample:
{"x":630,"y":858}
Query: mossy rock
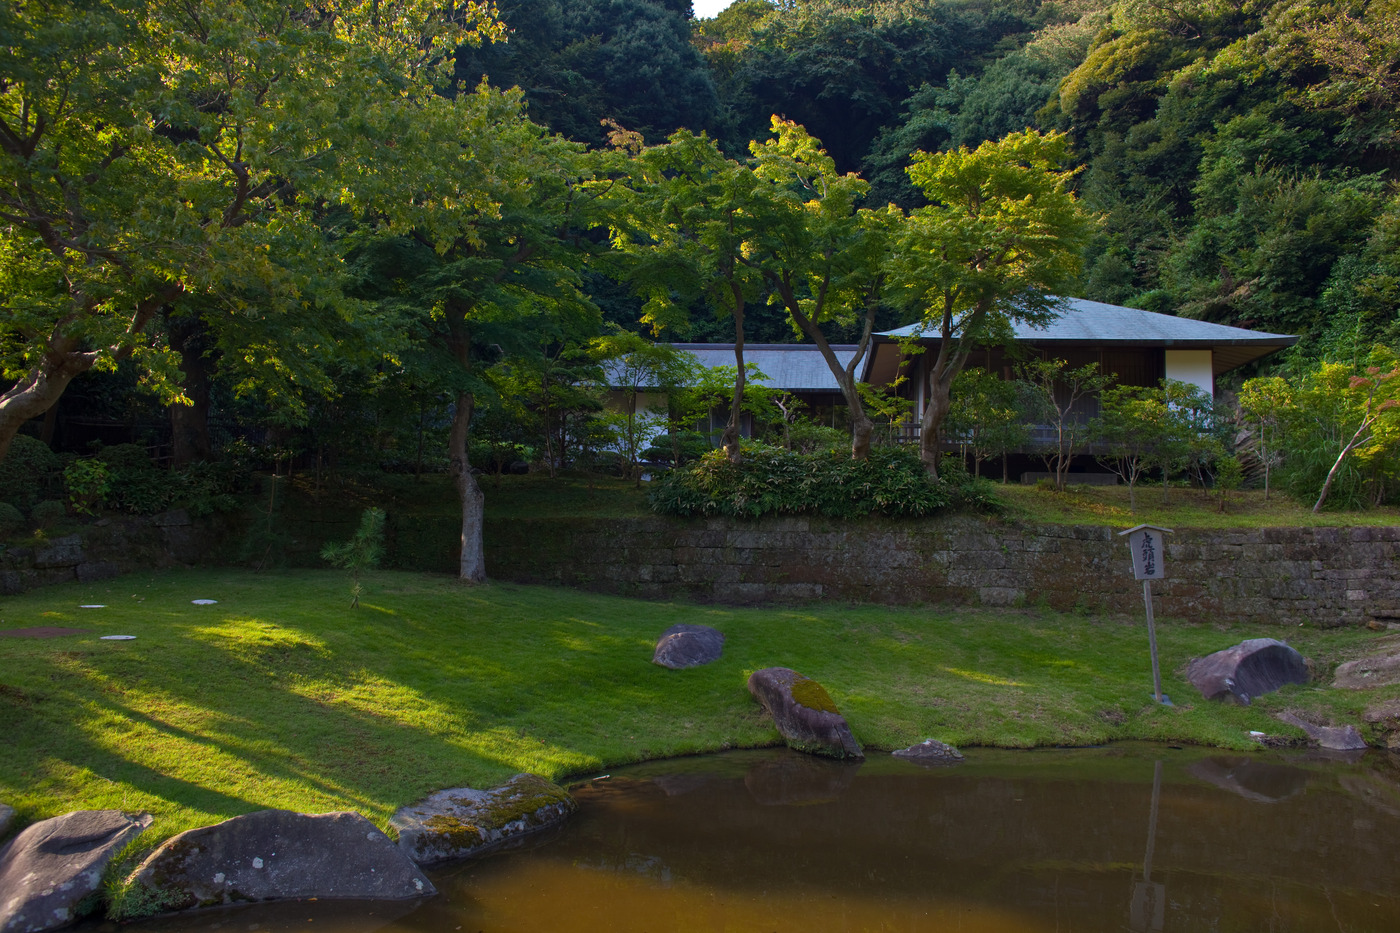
{"x":806,"y":716}
{"x":464,"y":823}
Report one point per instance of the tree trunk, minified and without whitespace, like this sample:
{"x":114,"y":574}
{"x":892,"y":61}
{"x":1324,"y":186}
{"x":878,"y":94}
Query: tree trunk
{"x":63,"y":360}
{"x":931,"y":425}
{"x":189,"y":424}
{"x":729,"y":440}
{"x":861,"y":429}
{"x":40,"y":388}
{"x":473,"y":564}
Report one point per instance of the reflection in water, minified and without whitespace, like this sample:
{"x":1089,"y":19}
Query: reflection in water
{"x":1011,"y":842}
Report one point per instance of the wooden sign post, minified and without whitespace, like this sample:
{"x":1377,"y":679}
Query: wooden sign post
{"x":1149,"y":563}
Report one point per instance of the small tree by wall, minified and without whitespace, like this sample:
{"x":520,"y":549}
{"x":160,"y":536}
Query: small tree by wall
{"x":1057,"y":396}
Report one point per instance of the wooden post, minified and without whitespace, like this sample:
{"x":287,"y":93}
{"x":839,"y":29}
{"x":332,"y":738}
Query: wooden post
{"x":1152,"y":641}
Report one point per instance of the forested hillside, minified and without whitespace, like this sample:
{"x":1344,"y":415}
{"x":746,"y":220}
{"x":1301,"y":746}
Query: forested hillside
{"x":1241,"y":152}
{"x":369,"y":230}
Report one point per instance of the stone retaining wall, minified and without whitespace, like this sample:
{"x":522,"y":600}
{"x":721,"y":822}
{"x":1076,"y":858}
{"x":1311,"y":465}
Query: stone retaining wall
{"x":1323,"y":576}
{"x":114,"y":546}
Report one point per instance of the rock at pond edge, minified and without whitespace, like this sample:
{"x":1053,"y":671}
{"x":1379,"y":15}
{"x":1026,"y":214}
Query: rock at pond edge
{"x":683,"y":645}
{"x":51,"y":873}
{"x":930,"y":752}
{"x":1252,"y":668}
{"x":274,"y":855}
{"x":804,"y":713}
{"x":463,"y":822}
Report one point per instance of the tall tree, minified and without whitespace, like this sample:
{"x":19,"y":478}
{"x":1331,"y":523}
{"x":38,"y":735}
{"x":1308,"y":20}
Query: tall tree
{"x":497,"y":236}
{"x":151,"y":152}
{"x":683,"y":237}
{"x":821,"y":257}
{"x":1002,"y":229}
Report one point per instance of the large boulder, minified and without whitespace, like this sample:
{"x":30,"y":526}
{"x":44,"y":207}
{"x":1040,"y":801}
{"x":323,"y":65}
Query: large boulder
{"x":682,"y":646}
{"x":1384,"y":718}
{"x":274,"y":855}
{"x":51,"y":873}
{"x":462,"y":822}
{"x":804,"y":713}
{"x":1250,"y":669}
{"x":1381,"y":671}
{"x":930,"y":752}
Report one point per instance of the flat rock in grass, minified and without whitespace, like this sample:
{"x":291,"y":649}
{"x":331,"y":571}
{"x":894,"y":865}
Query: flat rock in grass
{"x":682,"y":646}
{"x":275,"y":855}
{"x":804,"y":713}
{"x":463,"y":822}
{"x":930,"y":752}
{"x":1379,"y":671}
{"x":1252,"y":668}
{"x":51,"y":873}
{"x":1338,"y":738}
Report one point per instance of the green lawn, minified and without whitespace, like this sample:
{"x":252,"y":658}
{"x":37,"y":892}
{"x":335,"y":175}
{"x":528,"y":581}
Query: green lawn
{"x":281,"y":696}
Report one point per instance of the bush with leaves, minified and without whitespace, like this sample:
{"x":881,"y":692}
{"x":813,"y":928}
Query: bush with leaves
{"x":28,"y":471}
{"x":774,"y":481}
{"x":136,"y":484}
{"x":11,"y":519}
{"x":362,"y":552}
{"x":48,"y":513}
{"x":87,"y":482}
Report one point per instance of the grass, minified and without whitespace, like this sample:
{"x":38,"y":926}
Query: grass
{"x":1183,"y":508}
{"x":281,"y":696}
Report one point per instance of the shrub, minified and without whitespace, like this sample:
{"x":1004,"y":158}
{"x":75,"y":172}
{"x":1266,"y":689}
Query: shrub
{"x":28,"y":471}
{"x":362,"y":552}
{"x":48,"y":513}
{"x":769,"y":480}
{"x":136,"y":484}
{"x":11,"y":519}
{"x":87,"y":483}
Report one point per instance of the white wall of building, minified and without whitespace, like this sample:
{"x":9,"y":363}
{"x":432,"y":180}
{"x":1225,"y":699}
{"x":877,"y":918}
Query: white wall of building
{"x":1193,"y":366}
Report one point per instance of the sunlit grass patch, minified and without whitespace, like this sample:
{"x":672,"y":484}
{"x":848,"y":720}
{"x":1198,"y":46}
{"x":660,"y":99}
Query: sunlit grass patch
{"x":281,"y":696}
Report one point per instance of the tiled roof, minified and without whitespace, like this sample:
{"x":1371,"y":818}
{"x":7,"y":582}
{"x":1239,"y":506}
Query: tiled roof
{"x":795,"y":367}
{"x":1096,"y":323}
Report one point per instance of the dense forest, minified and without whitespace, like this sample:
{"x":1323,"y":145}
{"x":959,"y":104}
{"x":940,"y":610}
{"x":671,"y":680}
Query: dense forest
{"x":363,"y":229}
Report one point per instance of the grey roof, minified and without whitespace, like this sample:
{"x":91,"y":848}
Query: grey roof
{"x":1093,"y":322}
{"x":794,"y":367}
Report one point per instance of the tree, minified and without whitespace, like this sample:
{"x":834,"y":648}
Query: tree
{"x":1060,"y":394}
{"x":988,"y":413}
{"x":152,"y":153}
{"x":1338,"y":398}
{"x":822,"y":258}
{"x":683,"y":232}
{"x":634,"y":365}
{"x":497,"y":240}
{"x":1134,"y":425}
{"x":1264,"y":402}
{"x":1001,"y":229}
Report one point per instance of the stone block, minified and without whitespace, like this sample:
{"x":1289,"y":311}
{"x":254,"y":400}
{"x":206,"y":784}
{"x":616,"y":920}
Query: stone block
{"x":95,"y":570}
{"x":66,"y":551}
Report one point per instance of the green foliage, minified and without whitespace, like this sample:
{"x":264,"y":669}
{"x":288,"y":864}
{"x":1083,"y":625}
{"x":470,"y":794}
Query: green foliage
{"x":87,"y":483}
{"x":136,"y":484}
{"x":47,"y":513}
{"x":773,"y":481}
{"x":361,"y":553}
{"x":11,"y":519}
{"x":27,"y":471}
{"x":807,"y":437}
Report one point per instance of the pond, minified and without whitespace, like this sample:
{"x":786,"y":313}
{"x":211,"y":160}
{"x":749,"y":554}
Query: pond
{"x":1125,"y":837}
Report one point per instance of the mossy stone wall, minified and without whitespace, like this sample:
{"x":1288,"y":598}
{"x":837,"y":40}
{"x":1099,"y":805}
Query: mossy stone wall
{"x":1322,"y":576}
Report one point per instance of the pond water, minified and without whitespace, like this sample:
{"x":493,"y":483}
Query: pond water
{"x":1130,"y":837}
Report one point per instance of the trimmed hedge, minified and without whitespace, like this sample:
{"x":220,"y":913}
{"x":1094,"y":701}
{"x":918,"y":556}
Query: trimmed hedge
{"x":771,"y":480}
